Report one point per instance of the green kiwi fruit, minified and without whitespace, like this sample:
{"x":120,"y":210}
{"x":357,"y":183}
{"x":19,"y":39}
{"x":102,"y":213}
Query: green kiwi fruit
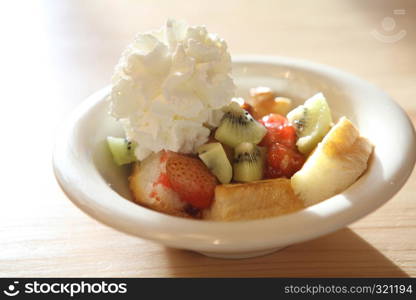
{"x":248,"y":162}
{"x":312,"y":121}
{"x":122,"y":150}
{"x":215,"y":158}
{"x":239,"y":126}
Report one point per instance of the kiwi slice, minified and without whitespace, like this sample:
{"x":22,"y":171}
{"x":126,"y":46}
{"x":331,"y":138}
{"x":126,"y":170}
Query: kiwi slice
{"x":238,"y":126}
{"x":122,"y":150}
{"x":312,"y":121}
{"x":215,"y":158}
{"x":248,"y":162}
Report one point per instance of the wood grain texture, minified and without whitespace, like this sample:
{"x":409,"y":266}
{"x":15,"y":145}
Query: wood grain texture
{"x":56,"y":53}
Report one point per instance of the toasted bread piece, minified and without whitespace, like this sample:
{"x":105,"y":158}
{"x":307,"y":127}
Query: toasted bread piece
{"x":335,"y":164}
{"x":148,"y":186}
{"x":253,"y":200}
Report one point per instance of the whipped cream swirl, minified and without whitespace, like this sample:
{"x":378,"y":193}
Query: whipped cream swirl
{"x":169,"y":87}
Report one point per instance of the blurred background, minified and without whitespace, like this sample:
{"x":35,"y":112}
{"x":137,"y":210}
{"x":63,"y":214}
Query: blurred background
{"x":56,"y":53}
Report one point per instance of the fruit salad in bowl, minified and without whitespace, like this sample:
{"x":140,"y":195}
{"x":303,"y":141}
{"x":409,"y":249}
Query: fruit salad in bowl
{"x":230,"y":157}
{"x":250,"y":168}
{"x":198,"y":151}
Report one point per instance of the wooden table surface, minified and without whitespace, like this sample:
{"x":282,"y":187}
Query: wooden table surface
{"x":56,"y":53}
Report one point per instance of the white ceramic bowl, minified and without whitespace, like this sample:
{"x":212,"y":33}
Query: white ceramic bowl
{"x":86,"y":173}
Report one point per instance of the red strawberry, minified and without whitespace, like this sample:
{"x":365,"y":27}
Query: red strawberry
{"x":278,"y":131}
{"x":274,"y":121}
{"x":191,"y":179}
{"x":283,"y":161}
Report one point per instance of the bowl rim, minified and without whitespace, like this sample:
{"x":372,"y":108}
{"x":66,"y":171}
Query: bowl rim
{"x":316,"y":220}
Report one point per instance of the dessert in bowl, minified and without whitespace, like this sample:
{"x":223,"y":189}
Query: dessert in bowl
{"x":87,"y":173}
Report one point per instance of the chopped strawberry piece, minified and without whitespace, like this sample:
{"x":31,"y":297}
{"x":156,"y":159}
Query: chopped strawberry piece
{"x":274,"y":120}
{"x":191,"y":179}
{"x":283,"y":161}
{"x":285,"y":135}
{"x":279,"y":130}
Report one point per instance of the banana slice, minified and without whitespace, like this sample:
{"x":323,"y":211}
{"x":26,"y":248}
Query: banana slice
{"x":312,"y":121}
{"x":335,"y":164}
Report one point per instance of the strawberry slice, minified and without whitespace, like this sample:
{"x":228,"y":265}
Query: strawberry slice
{"x":191,"y":179}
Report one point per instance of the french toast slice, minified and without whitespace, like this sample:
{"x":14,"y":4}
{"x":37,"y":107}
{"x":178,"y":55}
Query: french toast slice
{"x":336,"y":163}
{"x":253,"y":200}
